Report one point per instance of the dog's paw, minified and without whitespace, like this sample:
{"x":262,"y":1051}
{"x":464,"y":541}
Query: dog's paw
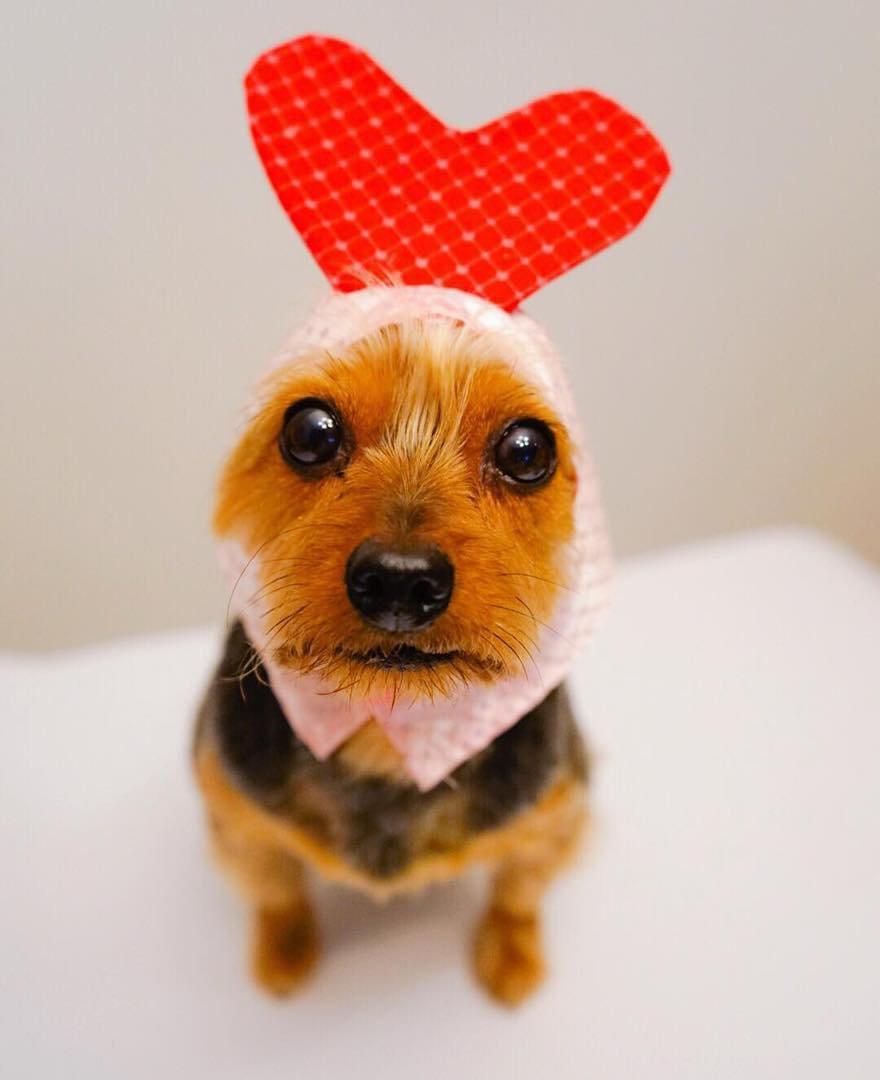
{"x":508,"y":955}
{"x":285,"y":948}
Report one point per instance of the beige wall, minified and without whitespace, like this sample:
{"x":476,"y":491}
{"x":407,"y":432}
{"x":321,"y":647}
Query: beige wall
{"x":726,"y":356}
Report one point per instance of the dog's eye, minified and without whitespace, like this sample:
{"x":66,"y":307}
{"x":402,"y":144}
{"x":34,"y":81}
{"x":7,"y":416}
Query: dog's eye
{"x":311,"y":434}
{"x":526,"y":451}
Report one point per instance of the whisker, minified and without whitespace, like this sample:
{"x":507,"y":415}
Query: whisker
{"x":536,"y":620}
{"x":513,"y":611}
{"x":520,"y":642}
{"x":249,"y":666}
{"x":246,"y":566}
{"x":261,"y":594}
{"x":536,"y":577}
{"x":513,"y":650}
{"x":339,"y":689}
{"x":516,"y":630}
{"x":279,"y":577}
{"x":515,"y":634}
{"x":271,"y":610}
{"x":273,"y":539}
{"x":495,"y":654}
{"x":273,"y":630}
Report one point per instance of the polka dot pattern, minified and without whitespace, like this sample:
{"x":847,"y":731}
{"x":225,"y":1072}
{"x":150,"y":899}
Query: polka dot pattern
{"x":379,"y":188}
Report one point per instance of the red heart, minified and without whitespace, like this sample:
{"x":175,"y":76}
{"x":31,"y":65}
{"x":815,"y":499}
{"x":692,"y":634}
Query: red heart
{"x":377,"y":186}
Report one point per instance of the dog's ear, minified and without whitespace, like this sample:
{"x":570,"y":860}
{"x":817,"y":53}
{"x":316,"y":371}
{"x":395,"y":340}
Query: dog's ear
{"x":379,"y":188}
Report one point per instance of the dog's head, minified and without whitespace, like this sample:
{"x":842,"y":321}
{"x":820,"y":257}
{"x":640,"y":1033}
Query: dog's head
{"x":407,"y":499}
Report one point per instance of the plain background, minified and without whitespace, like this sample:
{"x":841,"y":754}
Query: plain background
{"x":725,"y":356}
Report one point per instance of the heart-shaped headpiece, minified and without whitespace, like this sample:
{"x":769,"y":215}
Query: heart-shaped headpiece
{"x":379,"y":188}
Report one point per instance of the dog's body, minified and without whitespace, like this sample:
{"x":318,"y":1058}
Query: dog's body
{"x":410,"y":527}
{"x":273,"y":809}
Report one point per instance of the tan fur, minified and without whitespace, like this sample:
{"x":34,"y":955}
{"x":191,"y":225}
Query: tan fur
{"x":241,"y":826}
{"x":421,"y":404}
{"x":508,"y":948}
{"x":284,"y":947}
{"x":264,"y":856}
{"x":369,"y":752}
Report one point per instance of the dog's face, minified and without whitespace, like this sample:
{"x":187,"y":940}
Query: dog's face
{"x":407,"y":502}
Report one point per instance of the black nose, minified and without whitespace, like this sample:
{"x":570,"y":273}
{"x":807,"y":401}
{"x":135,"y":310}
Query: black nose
{"x":397,"y":589}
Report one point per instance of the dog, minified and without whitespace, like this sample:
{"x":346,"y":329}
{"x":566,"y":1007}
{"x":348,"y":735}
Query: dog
{"x":409,"y":500}
{"x":409,"y":525}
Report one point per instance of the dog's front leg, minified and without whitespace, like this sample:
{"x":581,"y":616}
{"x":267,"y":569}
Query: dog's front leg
{"x":284,"y":937}
{"x":508,"y":948}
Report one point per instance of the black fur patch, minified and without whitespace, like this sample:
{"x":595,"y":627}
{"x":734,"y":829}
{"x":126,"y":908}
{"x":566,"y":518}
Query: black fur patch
{"x":372,"y":821}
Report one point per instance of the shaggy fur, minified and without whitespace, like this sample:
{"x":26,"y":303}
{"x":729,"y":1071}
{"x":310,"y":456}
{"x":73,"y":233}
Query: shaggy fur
{"x":381,"y":825}
{"x":422,"y":405}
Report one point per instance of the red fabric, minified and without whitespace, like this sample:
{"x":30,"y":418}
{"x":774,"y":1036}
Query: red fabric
{"x":378,"y":186}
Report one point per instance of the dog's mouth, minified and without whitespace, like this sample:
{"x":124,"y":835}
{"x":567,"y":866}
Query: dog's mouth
{"x":404,"y":658}
{"x":400,"y":657}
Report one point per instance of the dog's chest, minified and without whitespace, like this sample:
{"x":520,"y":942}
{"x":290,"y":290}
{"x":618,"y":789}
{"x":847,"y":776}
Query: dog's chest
{"x":379,"y":825}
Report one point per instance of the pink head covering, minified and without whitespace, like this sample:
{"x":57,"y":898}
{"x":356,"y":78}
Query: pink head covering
{"x":471,"y":223}
{"x":435,"y":736}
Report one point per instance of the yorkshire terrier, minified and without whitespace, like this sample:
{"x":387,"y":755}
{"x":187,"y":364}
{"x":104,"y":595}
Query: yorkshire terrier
{"x":408,"y":500}
{"x":408,"y":522}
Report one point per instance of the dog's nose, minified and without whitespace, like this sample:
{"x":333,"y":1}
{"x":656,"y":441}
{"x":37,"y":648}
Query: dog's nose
{"x":399,"y":589}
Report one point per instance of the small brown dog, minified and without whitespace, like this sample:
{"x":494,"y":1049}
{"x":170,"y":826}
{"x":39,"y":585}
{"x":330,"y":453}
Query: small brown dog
{"x":409,"y":524}
{"x":409,"y":500}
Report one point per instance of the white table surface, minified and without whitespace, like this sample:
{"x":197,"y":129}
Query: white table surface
{"x":724,"y":923}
